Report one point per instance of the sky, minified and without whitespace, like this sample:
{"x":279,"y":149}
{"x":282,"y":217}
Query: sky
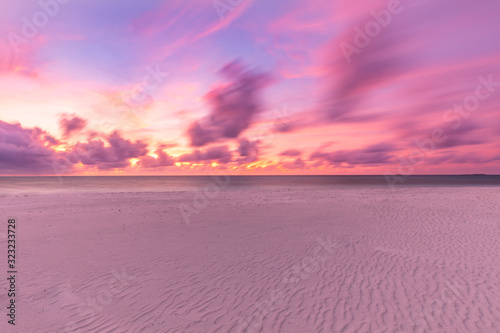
{"x":183,"y":87}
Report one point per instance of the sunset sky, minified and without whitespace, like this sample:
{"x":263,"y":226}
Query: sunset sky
{"x":256,"y":87}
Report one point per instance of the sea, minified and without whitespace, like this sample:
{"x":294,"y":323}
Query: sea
{"x":50,"y":184}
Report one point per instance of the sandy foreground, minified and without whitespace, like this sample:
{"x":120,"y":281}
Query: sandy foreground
{"x":290,"y":260}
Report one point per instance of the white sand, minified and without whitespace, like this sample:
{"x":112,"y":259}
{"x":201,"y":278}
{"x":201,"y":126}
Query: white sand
{"x":346,"y":260}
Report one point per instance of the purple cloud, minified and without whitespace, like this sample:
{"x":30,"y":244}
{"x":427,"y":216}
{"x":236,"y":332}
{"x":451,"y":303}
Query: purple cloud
{"x":375,"y":154}
{"x":291,"y":153}
{"x":163,"y":160}
{"x":453,"y":157}
{"x":298,"y":163}
{"x":220,"y":154}
{"x":249,"y":151}
{"x":28,"y":150}
{"x":116,"y":155}
{"x":70,"y":124}
{"x":420,"y":46}
{"x":234,"y":106}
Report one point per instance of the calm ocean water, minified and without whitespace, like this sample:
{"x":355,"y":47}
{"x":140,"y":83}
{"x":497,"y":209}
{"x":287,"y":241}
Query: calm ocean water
{"x":194,"y":183}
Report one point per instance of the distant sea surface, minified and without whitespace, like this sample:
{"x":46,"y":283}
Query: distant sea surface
{"x":197,"y":183}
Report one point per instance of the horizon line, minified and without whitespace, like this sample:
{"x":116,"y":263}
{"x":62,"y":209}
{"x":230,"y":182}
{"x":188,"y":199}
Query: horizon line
{"x":208,"y":175}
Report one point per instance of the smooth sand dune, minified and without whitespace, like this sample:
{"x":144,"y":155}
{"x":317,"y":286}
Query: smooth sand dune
{"x":343,"y":260}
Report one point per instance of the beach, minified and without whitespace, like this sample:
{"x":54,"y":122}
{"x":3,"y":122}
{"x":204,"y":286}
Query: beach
{"x":240,"y":166}
{"x":308,"y":259}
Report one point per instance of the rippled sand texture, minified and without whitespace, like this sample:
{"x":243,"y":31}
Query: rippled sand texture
{"x":346,"y":260}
